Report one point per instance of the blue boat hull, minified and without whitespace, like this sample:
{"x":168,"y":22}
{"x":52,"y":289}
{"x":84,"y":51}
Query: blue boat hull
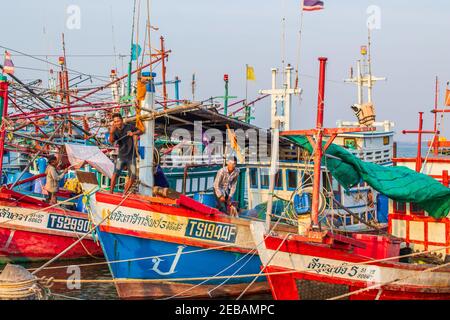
{"x":169,"y":266}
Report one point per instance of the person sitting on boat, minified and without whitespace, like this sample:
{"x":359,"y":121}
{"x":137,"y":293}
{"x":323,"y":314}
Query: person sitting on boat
{"x":159,"y":177}
{"x":225,"y":185}
{"x":124,"y":135}
{"x":53,"y":178}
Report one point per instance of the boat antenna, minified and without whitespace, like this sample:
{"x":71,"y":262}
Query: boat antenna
{"x":131,"y":50}
{"x":283,"y":38}
{"x":113,"y":38}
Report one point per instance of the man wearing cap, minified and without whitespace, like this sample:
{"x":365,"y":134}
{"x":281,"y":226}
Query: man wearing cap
{"x":225,"y":184}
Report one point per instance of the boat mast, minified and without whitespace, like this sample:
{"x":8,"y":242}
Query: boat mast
{"x":365,"y":77}
{"x":312,"y":234}
{"x":281,"y":97}
{"x":319,"y":151}
{"x":163,"y":73}
{"x":273,"y":172}
{"x":3,"y":113}
{"x":436,"y":102}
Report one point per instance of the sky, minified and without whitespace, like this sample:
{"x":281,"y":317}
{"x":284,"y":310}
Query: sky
{"x":214,"y":37}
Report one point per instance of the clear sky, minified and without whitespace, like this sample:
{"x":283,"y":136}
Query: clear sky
{"x":213,"y":37}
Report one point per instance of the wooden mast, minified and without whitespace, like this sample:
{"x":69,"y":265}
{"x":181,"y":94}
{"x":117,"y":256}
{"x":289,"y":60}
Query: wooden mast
{"x":3,"y":113}
{"x":319,"y":150}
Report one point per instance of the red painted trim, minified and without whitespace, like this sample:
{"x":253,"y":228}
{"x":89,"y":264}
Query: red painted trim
{"x":325,"y":251}
{"x":137,"y":203}
{"x":413,"y":160}
{"x":424,"y":219}
{"x":394,"y":206}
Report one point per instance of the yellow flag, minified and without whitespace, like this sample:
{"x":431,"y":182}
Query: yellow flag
{"x":447,"y":98}
{"x":250,"y":73}
{"x":234,"y":144}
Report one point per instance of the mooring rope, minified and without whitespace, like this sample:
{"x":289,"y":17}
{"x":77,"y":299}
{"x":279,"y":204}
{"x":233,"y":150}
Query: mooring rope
{"x":376,"y":286}
{"x":80,"y":239}
{"x":36,"y":287}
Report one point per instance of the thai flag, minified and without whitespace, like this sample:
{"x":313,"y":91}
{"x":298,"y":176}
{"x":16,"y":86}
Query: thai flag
{"x":312,"y":5}
{"x":8,"y":65}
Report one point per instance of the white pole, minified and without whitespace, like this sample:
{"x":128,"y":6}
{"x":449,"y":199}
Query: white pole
{"x":147,"y":141}
{"x":360,"y":86}
{"x":370,"y":84}
{"x":273,"y":172}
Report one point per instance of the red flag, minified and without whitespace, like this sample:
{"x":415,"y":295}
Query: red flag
{"x":8,"y":65}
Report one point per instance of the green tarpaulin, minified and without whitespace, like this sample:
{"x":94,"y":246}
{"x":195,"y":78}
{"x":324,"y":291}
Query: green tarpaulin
{"x":398,"y":183}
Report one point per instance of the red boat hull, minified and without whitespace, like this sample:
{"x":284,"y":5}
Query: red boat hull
{"x":303,"y":286}
{"x":299,"y":269}
{"x":23,"y":246}
{"x":31,"y":230}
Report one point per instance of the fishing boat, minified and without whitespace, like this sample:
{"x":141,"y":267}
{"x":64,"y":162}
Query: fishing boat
{"x":31,"y":229}
{"x":155,"y":244}
{"x":408,"y":221}
{"x":316,"y":264}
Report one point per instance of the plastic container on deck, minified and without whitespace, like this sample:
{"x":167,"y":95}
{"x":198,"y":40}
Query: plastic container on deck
{"x":382,"y":208}
{"x":378,"y":247}
{"x":205,"y":198}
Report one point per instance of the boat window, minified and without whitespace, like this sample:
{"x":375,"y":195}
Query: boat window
{"x":254,"y":178}
{"x":202,"y":186}
{"x":350,"y":143}
{"x":335,"y":184}
{"x":105,"y":181}
{"x":179,"y":187}
{"x":386,"y":141}
{"x":188,"y":185}
{"x":279,"y":180}
{"x":399,"y":207}
{"x":416,"y":209}
{"x":291,"y":177}
{"x":210,"y":183}
{"x":307,"y":178}
{"x":194,"y":184}
{"x":326,"y":181}
{"x":264,"y":178}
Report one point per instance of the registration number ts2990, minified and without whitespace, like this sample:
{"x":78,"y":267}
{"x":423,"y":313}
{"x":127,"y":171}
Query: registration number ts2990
{"x":65,"y":223}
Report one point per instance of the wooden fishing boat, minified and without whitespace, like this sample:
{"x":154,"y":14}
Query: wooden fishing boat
{"x":407,"y":220}
{"x":297,"y":268}
{"x":316,"y":264}
{"x":30,"y":232}
{"x":158,"y":248}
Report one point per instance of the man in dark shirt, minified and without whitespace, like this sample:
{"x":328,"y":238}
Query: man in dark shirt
{"x":124,"y":134}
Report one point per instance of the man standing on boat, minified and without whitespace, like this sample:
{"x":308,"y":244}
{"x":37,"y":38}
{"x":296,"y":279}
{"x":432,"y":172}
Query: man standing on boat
{"x":124,"y":135}
{"x":225,"y":185}
{"x":53,"y":178}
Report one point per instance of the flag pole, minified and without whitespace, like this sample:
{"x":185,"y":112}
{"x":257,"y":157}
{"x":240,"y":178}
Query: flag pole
{"x":299,"y":43}
{"x":246,"y":95}
{"x":246,"y":83}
